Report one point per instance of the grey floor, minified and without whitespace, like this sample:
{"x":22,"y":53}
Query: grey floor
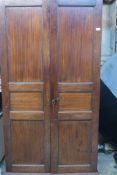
{"x":106,"y":165}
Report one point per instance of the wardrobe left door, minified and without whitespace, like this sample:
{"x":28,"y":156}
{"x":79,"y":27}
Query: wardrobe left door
{"x":24,"y":50}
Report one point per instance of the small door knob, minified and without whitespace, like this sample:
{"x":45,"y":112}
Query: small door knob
{"x":53,"y":101}
{"x":57,"y":99}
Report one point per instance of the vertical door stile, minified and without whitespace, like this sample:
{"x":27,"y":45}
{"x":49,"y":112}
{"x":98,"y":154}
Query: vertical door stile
{"x":5,"y":92}
{"x":54,"y":85}
{"x":96,"y":79}
{"x":46,"y":62}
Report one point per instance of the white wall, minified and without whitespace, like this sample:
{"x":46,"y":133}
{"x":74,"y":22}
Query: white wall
{"x":108,"y":31}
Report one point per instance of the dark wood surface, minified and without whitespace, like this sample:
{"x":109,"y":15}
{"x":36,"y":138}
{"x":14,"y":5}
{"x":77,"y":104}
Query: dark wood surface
{"x":50,"y":81}
{"x":75,"y":53}
{"x":26,"y":87}
{"x":50,"y":174}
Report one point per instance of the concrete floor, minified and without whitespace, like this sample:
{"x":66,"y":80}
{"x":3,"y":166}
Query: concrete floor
{"x":106,"y":165}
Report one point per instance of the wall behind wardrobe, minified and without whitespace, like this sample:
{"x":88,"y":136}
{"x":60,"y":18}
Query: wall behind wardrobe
{"x":108,"y":31}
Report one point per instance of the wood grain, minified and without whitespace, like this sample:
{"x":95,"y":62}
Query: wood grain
{"x":50,"y":53}
{"x":30,"y":132}
{"x":74,"y":115}
{"x":26,"y":90}
{"x":26,"y":101}
{"x":76,"y":87}
{"x":5,"y":92}
{"x":96,"y":79}
{"x":75,"y":143}
{"x":26,"y":168}
{"x":73,"y":65}
{"x":26,"y":87}
{"x":54,"y":174}
{"x":75,"y":102}
{"x":54,"y":84}
{"x":75,"y":42}
{"x":25,"y":55}
{"x":26,"y":115}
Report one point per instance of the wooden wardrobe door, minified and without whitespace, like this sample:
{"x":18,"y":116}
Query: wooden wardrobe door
{"x":75,"y":61}
{"x":24,"y":32}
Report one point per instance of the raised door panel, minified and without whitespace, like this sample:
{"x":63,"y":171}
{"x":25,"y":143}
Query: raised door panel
{"x":26,"y":37}
{"x":75,"y":24}
{"x":75,"y":85}
{"x":27,"y":146}
{"x":24,"y":31}
{"x":75,"y":102}
{"x":75,"y":140}
{"x":26,"y":101}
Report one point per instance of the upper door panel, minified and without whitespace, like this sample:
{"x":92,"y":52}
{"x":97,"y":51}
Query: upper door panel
{"x":25,"y":39}
{"x":75,"y":34}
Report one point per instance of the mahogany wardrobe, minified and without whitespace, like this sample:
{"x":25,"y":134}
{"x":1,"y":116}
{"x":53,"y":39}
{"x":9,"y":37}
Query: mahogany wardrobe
{"x":50,"y":60}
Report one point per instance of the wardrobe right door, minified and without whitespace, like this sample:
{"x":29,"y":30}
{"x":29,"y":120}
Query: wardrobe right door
{"x":75,"y":63}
